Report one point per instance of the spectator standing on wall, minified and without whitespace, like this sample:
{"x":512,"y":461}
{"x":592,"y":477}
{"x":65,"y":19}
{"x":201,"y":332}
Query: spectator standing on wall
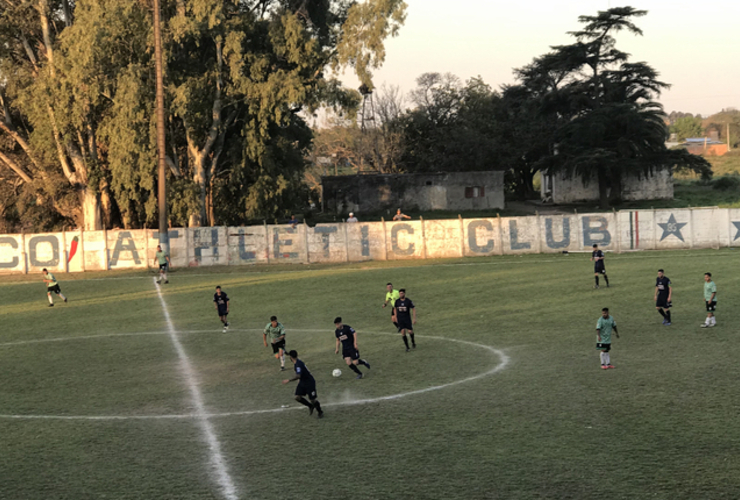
{"x":352,"y":218}
{"x":293,"y":221}
{"x":400,"y":216}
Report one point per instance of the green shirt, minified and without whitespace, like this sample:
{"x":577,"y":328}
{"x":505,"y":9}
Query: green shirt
{"x":709,"y":289}
{"x":53,"y":280}
{"x":274,"y":332}
{"x":161,"y":257}
{"x":605,"y":326}
{"x":392,"y":296}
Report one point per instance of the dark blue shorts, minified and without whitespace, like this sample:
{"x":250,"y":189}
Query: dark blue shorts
{"x":306,"y":389}
{"x":405,"y":324}
{"x":351,"y":353}
{"x":222,"y":312}
{"x":599,"y":267}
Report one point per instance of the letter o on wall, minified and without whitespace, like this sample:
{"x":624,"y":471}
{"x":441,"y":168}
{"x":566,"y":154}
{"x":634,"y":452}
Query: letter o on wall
{"x":33,"y":244}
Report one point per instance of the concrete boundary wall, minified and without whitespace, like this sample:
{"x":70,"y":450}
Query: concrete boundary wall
{"x":627,"y":230}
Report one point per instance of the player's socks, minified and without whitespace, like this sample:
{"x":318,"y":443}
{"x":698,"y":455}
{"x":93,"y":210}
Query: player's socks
{"x":608,"y":358}
{"x":597,"y":280}
{"x":413,"y":342}
{"x":662,"y":313}
{"x":602,"y":356}
{"x":282,"y":361}
{"x":354,"y":368}
{"x":317,"y":405}
{"x":305,"y":402}
{"x":406,"y":341}
{"x":606,"y":278}
{"x":668,"y":316}
{"x":51,"y":301}
{"x":364,"y":362}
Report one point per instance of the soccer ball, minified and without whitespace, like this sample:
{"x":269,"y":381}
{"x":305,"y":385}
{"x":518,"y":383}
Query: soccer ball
{"x":337,"y":372}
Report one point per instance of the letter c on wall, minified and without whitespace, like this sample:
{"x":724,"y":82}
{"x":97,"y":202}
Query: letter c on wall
{"x":7,"y":240}
{"x":473,"y":236}
{"x":409,"y":250}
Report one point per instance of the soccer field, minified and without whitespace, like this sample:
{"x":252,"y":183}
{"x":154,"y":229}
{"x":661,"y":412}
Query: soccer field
{"x":124,"y":393}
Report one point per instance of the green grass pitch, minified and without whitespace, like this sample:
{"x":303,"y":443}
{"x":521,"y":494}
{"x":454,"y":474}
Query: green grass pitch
{"x":523,"y":410}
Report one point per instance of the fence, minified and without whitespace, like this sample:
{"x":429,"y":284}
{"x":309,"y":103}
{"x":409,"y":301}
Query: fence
{"x":76,"y":251}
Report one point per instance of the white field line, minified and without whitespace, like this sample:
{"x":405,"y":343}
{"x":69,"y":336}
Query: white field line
{"x":217,"y":460}
{"x":205,"y":416}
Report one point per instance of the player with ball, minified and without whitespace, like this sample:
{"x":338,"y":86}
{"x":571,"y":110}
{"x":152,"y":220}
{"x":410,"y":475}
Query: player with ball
{"x":347,"y":336}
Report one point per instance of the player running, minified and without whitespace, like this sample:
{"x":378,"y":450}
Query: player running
{"x":391,"y":296}
{"x":710,"y":299}
{"x":351,"y":354}
{"x":663,"y":293}
{"x":597,"y":256}
{"x":306,"y":385}
{"x":276,"y":332}
{"x":52,"y":286}
{"x":162,"y":259}
{"x":604,"y":327}
{"x":402,"y":311}
{"x":221,"y":301}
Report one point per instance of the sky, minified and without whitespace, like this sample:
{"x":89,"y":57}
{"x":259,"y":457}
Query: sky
{"x":693,"y":45}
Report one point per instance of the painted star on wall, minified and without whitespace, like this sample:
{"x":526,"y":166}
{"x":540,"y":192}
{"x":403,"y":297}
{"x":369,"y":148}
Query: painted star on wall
{"x":672,"y":228}
{"x":737,"y":226}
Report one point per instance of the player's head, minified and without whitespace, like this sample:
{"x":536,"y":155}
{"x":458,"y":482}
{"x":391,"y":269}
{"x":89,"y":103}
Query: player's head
{"x":605,"y":312}
{"x":707,"y":277}
{"x":159,"y":247}
{"x":218,"y":289}
{"x":660,"y":273}
{"x":273,"y":321}
{"x":596,"y":246}
{"x":402,"y":292}
{"x":338,"y":321}
{"x":44,"y":271}
{"x":293,"y":355}
{"x":389,"y":287}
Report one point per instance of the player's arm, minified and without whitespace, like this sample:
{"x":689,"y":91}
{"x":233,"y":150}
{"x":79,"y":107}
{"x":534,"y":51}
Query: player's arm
{"x":394,"y":315}
{"x":227,"y":305}
{"x":598,"y":334}
{"x":264,"y":337}
{"x":215,"y":304}
{"x":291,"y":379}
{"x":282,"y":335}
{"x":336,"y":348}
{"x":615,"y":331}
{"x":414,"y":320}
{"x":656,"y":292}
{"x":169,"y":262}
{"x":670,"y":292}
{"x":356,"y":341}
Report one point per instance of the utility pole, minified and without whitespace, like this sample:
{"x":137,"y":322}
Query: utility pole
{"x":161,"y":151}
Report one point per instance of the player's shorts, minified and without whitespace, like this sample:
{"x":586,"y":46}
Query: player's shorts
{"x":278,"y":345}
{"x":54,"y":289}
{"x":351,"y":353}
{"x":163,"y":267}
{"x":663,"y":302}
{"x":222,"y":312}
{"x":306,"y":389}
{"x":405,"y":324}
{"x":711,"y":306}
{"x":599,"y":267}
{"x":603,"y":347}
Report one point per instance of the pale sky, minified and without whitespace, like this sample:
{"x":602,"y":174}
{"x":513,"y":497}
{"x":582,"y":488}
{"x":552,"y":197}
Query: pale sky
{"x":694,"y":45}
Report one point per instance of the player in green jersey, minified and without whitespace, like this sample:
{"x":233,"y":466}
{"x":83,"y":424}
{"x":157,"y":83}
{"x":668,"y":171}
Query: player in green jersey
{"x":162,"y":259}
{"x":276,"y":332}
{"x":604,"y":328}
{"x":391,"y":296}
{"x":710,"y":299}
{"x":52,"y":286}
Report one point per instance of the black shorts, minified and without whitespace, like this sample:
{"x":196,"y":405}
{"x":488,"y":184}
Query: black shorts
{"x":223,"y":312}
{"x":599,"y":267}
{"x":54,"y":289}
{"x":405,"y":324}
{"x":603,"y":347}
{"x":351,"y":353}
{"x":278,"y":345}
{"x":663,"y":302}
{"x":163,"y":267}
{"x":711,"y":306}
{"x":306,"y":389}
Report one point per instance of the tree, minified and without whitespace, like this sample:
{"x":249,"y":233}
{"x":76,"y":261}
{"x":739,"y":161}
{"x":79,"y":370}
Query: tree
{"x":610,"y":124}
{"x":687,"y":126}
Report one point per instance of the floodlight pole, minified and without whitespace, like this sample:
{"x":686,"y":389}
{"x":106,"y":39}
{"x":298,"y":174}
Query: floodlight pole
{"x":161,"y":151}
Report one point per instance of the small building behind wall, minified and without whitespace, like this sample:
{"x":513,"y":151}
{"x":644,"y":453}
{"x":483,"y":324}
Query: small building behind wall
{"x":558,"y":189}
{"x":430,"y":191}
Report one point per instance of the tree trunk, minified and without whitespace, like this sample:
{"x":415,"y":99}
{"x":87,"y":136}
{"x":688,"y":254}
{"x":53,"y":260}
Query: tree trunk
{"x":603,"y":189}
{"x":199,"y":176}
{"x":90,"y":209}
{"x":616,"y":194}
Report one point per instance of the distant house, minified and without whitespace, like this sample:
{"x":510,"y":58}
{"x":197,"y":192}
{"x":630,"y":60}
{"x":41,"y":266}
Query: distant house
{"x":430,"y":191}
{"x":705,"y":146}
{"x":557,"y":188}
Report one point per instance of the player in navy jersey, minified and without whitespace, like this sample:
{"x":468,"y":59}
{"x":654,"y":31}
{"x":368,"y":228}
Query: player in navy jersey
{"x":347,"y":336}
{"x":597,"y":256}
{"x":306,"y":385}
{"x":402,"y":311}
{"x":663,"y":293}
{"x":221,"y":301}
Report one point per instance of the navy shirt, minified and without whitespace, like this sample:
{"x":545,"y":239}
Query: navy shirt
{"x":302,"y":371}
{"x":597,"y":253}
{"x":403,"y":307}
{"x":663,"y":284}
{"x":221,"y":300}
{"x":346,"y":335}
